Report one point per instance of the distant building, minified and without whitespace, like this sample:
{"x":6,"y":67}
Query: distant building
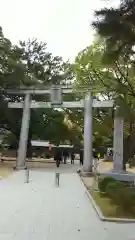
{"x":39,"y":143}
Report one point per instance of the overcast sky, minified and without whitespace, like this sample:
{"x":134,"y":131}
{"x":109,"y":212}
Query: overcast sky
{"x":63,"y":24}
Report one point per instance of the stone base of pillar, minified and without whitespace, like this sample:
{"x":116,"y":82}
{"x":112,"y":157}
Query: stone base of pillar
{"x":88,"y":169}
{"x":121,"y":175}
{"x":86,"y":174}
{"x":20,"y":167}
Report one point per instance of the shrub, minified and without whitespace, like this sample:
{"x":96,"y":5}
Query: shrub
{"x":126,"y":199}
{"x":121,"y":195}
{"x":103,"y":182}
{"x":113,"y":187}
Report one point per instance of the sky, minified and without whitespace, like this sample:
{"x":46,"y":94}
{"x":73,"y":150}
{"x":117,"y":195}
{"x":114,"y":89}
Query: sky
{"x":64,"y":24}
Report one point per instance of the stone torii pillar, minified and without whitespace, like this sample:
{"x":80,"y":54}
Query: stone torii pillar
{"x":118,"y":142}
{"x":87,"y":165}
{"x":117,"y":170}
{"x":22,"y":150}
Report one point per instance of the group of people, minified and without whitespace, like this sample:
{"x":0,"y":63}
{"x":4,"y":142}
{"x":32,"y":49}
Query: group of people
{"x":65,"y":154}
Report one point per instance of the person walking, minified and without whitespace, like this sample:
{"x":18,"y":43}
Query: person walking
{"x":98,"y":156}
{"x":58,"y":156}
{"x":65,"y":155}
{"x":81,"y":156}
{"x":94,"y":154}
{"x":72,"y":157}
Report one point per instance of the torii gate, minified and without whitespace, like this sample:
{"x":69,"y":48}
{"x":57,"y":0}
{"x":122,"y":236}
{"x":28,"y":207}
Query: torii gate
{"x":56,"y":102}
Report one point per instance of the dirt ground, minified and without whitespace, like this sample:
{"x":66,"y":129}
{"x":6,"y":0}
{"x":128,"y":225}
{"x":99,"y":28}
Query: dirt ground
{"x":6,"y":167}
{"x":103,"y":166}
{"x":109,"y":165}
{"x":5,"y":170}
{"x":10,"y":164}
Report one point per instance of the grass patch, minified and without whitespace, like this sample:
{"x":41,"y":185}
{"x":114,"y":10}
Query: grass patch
{"x":108,"y":207}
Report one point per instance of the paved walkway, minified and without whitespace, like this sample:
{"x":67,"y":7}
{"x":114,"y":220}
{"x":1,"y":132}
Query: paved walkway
{"x":41,"y":211}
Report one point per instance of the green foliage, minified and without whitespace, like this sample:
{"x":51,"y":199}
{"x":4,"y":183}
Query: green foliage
{"x":41,"y":66}
{"x":117,"y":26}
{"x":103,"y":183}
{"x":122,"y":195}
{"x":12,"y":68}
{"x":90,"y":72}
{"x":112,"y":187}
{"x":115,"y":80}
{"x":126,"y":198}
{"x":30,"y":65}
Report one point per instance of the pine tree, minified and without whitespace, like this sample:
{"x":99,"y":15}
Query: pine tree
{"x":117,"y":26}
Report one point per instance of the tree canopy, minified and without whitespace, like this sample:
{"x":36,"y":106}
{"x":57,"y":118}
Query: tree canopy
{"x":110,"y":81}
{"x":29,"y":64}
{"x":117,"y":27}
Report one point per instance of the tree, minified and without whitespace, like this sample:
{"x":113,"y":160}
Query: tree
{"x":46,"y":70}
{"x":30,"y":65}
{"x":12,"y":69}
{"x":115,"y":81}
{"x":40,"y":64}
{"x":117,"y":26}
{"x":51,"y":126}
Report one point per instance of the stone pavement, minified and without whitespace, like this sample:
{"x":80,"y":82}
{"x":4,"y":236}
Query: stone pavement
{"x":41,"y":211}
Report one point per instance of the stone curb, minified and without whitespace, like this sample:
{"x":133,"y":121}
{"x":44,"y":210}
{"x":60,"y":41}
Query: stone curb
{"x":99,"y":213}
